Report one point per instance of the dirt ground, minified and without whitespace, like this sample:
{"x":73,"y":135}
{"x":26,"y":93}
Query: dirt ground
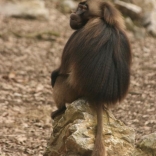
{"x":26,"y":100}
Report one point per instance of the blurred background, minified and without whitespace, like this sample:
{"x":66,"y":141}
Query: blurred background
{"x":32,"y":36}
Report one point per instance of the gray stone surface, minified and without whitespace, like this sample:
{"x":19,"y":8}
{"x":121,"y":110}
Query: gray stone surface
{"x":148,"y":143}
{"x":148,"y":14}
{"x":129,"y":9}
{"x":25,"y":9}
{"x":74,"y":133}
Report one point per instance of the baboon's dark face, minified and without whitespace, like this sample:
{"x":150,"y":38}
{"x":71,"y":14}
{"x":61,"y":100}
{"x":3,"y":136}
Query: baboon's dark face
{"x":80,"y":17}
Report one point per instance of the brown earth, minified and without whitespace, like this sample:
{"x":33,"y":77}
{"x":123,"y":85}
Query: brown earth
{"x":29,"y":51}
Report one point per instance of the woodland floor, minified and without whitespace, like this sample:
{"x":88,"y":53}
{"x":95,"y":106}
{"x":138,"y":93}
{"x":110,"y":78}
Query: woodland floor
{"x":26,"y":100}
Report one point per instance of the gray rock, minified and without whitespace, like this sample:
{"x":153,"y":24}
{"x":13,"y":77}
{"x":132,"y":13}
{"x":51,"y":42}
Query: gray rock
{"x":129,"y":9}
{"x":148,"y":143}
{"x":70,"y":4}
{"x":146,"y":5}
{"x":148,"y":14}
{"x":66,"y":6}
{"x":25,"y":9}
{"x":150,"y":22}
{"x":74,"y":133}
{"x":146,"y":146}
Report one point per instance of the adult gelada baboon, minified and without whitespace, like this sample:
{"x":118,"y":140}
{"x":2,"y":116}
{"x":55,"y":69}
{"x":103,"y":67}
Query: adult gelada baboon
{"x":95,"y":62}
